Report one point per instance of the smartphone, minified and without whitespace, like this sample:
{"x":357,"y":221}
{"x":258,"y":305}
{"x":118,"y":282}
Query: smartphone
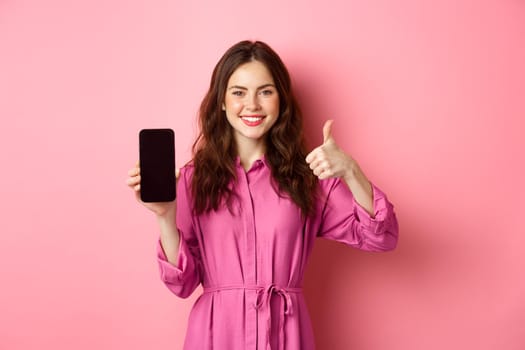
{"x":157,"y":165}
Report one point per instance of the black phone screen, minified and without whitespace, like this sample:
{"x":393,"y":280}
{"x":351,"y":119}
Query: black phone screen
{"x":157,"y":165}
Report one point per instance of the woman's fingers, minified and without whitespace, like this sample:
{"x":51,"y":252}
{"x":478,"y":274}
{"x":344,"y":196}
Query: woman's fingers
{"x":134,"y":171}
{"x":318,"y":161}
{"x":325,"y":162}
{"x":322,"y":168}
{"x":133,"y":181}
{"x":317,"y":164}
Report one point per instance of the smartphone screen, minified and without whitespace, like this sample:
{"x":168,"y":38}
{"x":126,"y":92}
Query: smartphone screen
{"x":157,"y":165}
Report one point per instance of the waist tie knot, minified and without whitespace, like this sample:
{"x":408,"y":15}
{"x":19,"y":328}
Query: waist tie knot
{"x":264,"y":296}
{"x":263,"y":300}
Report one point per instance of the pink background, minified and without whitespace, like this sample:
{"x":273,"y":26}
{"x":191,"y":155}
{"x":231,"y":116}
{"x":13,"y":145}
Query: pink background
{"x":427,"y":95}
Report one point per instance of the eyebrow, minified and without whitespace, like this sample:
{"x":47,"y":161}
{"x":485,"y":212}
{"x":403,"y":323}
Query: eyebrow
{"x":245,"y":88}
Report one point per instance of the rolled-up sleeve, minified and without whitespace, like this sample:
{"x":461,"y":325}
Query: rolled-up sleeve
{"x":184,"y":277}
{"x":345,"y":221}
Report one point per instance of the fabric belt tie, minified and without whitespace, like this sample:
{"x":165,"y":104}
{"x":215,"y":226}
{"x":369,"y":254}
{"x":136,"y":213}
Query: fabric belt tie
{"x":264,"y":297}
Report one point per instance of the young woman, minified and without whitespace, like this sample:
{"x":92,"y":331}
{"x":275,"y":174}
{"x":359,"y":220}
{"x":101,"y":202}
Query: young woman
{"x":250,"y":205}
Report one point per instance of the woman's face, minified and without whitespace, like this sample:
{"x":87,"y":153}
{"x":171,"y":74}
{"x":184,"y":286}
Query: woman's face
{"x":251,"y":102}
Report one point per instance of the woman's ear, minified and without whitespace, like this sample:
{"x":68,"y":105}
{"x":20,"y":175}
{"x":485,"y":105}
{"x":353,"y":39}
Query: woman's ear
{"x":223,"y":107}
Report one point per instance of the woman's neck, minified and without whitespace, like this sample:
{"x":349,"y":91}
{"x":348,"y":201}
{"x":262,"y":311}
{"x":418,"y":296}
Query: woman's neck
{"x":249,"y":152}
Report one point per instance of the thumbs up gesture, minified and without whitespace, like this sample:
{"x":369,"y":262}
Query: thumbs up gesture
{"x":328,"y":160}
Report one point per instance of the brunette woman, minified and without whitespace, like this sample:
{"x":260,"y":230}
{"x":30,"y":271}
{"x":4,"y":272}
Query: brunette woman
{"x":251,"y":204}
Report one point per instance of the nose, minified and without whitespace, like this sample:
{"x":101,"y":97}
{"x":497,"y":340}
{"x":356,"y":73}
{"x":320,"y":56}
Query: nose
{"x":252,"y":102}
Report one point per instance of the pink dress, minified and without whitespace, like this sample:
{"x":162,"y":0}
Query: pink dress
{"x":251,"y":261}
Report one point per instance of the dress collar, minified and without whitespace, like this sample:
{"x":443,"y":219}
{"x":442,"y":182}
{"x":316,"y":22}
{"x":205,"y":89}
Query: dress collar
{"x":256,"y":164}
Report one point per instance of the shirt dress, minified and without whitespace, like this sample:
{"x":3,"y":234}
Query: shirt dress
{"x":251,"y":259}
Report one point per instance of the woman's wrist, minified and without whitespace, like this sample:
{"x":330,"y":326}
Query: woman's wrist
{"x":166,"y":217}
{"x":166,"y":211}
{"x":360,"y":186}
{"x":168,"y":228}
{"x":350,"y":172}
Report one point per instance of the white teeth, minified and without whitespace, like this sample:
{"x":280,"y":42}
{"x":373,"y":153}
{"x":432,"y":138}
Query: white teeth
{"x":252,"y":119}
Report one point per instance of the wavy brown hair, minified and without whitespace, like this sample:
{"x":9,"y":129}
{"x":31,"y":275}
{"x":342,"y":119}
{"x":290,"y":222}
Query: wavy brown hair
{"x":215,"y":150}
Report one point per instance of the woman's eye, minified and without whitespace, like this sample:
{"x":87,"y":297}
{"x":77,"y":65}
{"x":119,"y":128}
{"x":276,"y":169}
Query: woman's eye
{"x":267,"y":92}
{"x":238,"y":93}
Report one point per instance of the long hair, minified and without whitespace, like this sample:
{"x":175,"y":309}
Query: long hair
{"x":215,"y":150}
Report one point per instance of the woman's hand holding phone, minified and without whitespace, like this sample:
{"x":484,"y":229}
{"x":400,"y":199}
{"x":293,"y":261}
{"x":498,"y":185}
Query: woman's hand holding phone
{"x":159,"y":208}
{"x":154,"y":181}
{"x":166,"y":213}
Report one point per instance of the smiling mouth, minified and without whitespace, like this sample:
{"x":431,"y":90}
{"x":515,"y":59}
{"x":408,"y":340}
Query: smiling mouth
{"x":252,"y":120}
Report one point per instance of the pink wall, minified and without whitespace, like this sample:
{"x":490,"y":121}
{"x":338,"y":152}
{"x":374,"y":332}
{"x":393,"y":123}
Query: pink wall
{"x":427,"y":95}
